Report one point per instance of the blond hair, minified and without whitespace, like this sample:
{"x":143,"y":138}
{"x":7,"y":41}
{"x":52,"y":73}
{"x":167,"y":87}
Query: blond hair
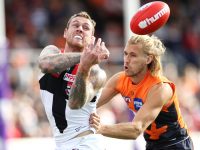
{"x":84,"y":15}
{"x":151,"y":45}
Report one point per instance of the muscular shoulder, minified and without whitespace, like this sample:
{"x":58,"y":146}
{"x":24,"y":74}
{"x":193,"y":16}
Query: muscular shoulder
{"x":97,"y":76}
{"x":48,"y":50}
{"x":45,"y":61}
{"x":163,"y":91}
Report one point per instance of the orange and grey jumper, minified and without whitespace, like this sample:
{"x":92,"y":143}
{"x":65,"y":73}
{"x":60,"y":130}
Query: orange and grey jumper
{"x":168,"y":128}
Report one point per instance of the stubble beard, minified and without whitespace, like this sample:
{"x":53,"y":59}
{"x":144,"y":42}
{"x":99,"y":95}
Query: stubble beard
{"x":135,"y":73}
{"x":75,"y":47}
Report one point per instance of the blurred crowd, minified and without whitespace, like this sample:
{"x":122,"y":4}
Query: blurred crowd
{"x":36,"y":23}
{"x":33,"y":24}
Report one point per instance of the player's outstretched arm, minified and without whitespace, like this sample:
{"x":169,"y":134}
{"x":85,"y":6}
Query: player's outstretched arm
{"x":51,"y":60}
{"x":109,"y":90}
{"x":156,"y":99}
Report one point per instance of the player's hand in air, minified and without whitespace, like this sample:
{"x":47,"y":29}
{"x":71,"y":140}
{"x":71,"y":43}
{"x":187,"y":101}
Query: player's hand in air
{"x":104,"y":53}
{"x":94,"y":53}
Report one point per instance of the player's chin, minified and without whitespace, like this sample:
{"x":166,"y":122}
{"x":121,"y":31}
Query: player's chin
{"x":127,"y":73}
{"x":78,"y":45}
{"x":126,"y":70}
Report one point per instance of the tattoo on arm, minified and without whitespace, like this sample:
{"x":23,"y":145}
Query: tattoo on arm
{"x":52,"y":61}
{"x":78,"y":93}
{"x":85,"y":86}
{"x":60,"y":62}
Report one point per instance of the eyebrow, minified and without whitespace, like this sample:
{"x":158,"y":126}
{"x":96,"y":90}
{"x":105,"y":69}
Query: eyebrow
{"x":76,"y":21}
{"x":130,"y":52}
{"x":133,"y":53}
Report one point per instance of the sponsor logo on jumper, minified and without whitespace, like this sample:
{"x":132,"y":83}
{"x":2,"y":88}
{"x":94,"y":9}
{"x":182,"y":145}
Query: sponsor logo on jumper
{"x":137,"y":103}
{"x":69,"y":77}
{"x":67,"y":90}
{"x":148,"y":21}
{"x":68,"y":69}
{"x":79,"y":128}
{"x":127,"y":99}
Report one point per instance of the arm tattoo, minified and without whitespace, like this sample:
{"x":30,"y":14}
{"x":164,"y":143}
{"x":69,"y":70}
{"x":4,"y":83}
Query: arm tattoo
{"x":84,"y":86}
{"x":58,"y":62}
{"x":78,"y":93}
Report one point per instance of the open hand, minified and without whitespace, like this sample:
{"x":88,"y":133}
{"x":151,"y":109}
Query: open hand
{"x":94,"y":53}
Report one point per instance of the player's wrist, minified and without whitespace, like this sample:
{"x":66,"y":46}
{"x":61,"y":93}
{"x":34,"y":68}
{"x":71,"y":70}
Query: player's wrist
{"x":101,"y":129}
{"x":83,"y":69}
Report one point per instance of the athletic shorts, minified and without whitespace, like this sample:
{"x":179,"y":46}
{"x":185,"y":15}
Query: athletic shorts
{"x":186,"y":144}
{"x":88,"y":142}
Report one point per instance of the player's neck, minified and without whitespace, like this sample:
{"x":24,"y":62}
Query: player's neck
{"x":136,"y":79}
{"x":72,"y":48}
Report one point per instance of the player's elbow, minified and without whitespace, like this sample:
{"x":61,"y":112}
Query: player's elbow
{"x":137,"y":131}
{"x":74,"y":104}
{"x":44,"y":66}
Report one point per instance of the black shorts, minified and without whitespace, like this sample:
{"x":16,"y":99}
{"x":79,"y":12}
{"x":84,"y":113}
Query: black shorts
{"x":186,"y":144}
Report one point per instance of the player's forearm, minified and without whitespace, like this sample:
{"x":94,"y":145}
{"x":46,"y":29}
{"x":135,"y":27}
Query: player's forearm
{"x":78,"y":93}
{"x":58,"y":62}
{"x":121,"y":131}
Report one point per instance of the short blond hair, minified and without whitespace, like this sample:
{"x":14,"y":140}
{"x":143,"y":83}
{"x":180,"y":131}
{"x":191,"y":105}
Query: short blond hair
{"x":151,"y":45}
{"x":84,"y":15}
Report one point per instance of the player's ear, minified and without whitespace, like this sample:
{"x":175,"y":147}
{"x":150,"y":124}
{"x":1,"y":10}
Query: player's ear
{"x":65,"y":33}
{"x":149,"y":59}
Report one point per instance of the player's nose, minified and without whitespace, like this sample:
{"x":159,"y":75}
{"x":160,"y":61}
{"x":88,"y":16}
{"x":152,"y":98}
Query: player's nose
{"x":80,"y":28}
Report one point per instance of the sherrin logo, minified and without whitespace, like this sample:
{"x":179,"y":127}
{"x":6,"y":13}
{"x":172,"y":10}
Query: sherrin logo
{"x":69,"y":77}
{"x":148,"y":21}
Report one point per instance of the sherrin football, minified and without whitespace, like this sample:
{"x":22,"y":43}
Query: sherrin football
{"x":150,"y":17}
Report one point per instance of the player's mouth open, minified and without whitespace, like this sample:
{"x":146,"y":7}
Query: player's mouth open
{"x":125,"y":68}
{"x":78,"y":37}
